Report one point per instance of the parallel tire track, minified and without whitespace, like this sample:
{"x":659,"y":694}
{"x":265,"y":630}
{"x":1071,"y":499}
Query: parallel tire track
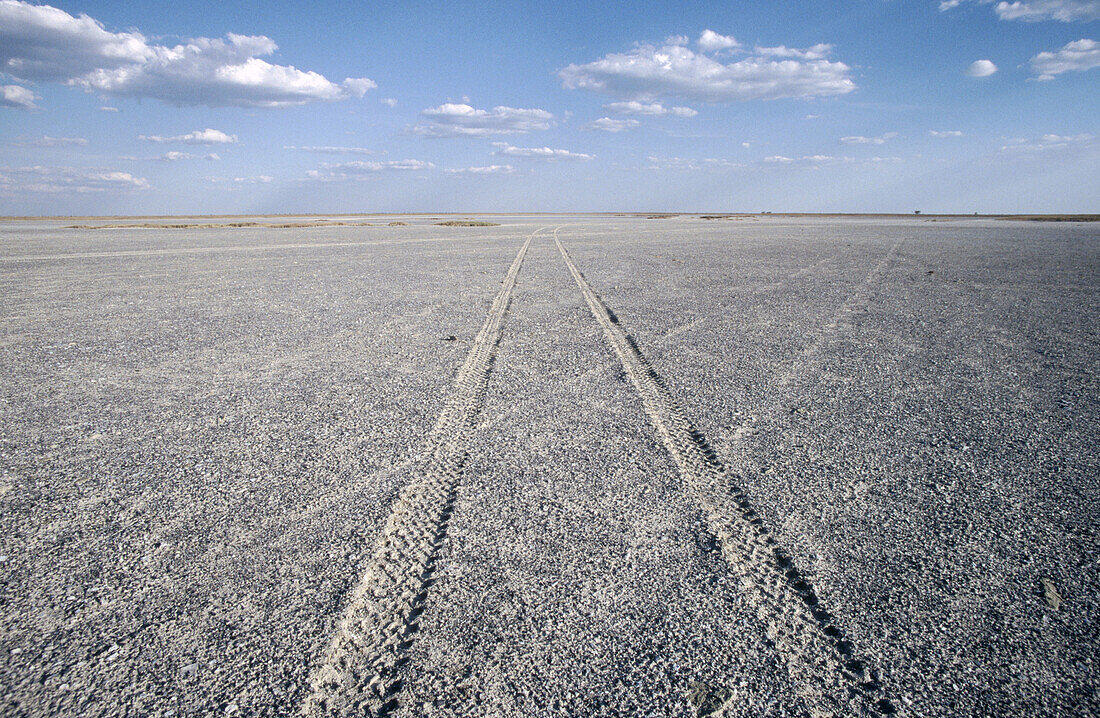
{"x":359,"y":673}
{"x":829,"y":679}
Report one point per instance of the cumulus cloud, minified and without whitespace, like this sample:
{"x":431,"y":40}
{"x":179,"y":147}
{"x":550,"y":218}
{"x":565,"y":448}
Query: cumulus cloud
{"x":861,"y":140}
{"x":389,"y":102}
{"x":817,"y":52}
{"x":61,"y":180}
{"x":198,"y":137}
{"x":541,"y":153}
{"x":648,"y":73}
{"x":360,"y":169}
{"x":653,"y":109}
{"x":17,"y":97}
{"x":458,"y":120}
{"x":331,"y":150}
{"x":709,"y":41}
{"x":1076,"y":56}
{"x":46,"y":44}
{"x":606,"y":124}
{"x":1035,"y":10}
{"x":487,"y":170}
{"x":47,"y":141}
{"x":945,"y":133}
{"x":981,"y":68}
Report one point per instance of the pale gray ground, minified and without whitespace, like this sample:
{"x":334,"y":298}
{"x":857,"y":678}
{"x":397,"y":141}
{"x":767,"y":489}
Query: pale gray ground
{"x":203,"y":432}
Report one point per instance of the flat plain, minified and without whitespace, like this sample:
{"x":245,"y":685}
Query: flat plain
{"x":568,"y":465}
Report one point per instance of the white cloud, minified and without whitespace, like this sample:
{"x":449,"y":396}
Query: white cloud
{"x":817,"y":52}
{"x":44,"y":43}
{"x":1050,"y":142}
{"x":945,"y":133}
{"x":488,"y":170}
{"x":1064,"y":10}
{"x":174,"y":156}
{"x":541,"y":153}
{"x":710,"y":41}
{"x":689,"y":163}
{"x":981,"y":68}
{"x":813,"y":161}
{"x":62,"y":180}
{"x":198,"y":137}
{"x":677,"y":40}
{"x":389,"y":102}
{"x":653,"y":109}
{"x":360,"y":169}
{"x":606,"y":124}
{"x":108,"y":109}
{"x":1036,"y":10}
{"x":18,"y":97}
{"x":1077,"y":56}
{"x":47,"y":141}
{"x":358,"y":86}
{"x":648,"y":73}
{"x":331,"y":150}
{"x":860,"y":140}
{"x":455,"y":120}
{"x":254,"y":179}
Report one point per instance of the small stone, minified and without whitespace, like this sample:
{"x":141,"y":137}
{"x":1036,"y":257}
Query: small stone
{"x":1050,"y":592}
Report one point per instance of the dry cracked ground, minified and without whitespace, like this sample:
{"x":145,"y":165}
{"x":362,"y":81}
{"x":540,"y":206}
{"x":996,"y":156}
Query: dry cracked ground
{"x":565,"y":466}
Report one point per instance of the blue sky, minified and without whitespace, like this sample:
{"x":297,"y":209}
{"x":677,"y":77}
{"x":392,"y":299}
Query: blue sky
{"x":865,"y":106}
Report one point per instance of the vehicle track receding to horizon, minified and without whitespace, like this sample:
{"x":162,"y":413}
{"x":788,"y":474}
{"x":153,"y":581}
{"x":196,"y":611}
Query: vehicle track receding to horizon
{"x":828,"y":675}
{"x":358,"y":674}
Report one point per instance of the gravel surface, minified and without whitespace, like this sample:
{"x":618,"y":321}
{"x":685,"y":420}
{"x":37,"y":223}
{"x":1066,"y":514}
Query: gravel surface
{"x":912,"y":407}
{"x":203,"y":432}
{"x":198,"y":450}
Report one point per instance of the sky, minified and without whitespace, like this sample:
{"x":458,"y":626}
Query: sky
{"x":163,"y":107}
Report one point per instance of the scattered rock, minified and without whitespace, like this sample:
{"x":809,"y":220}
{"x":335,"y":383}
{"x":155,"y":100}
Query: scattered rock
{"x":707,"y":700}
{"x":1050,"y":593}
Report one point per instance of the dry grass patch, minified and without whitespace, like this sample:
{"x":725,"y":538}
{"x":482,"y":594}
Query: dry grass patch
{"x":1055,"y":217}
{"x":466,"y":223}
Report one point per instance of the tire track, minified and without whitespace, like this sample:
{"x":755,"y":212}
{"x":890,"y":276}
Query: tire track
{"x":728,"y":440}
{"x":829,"y":678}
{"x":859,"y":297}
{"x":359,"y":673}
